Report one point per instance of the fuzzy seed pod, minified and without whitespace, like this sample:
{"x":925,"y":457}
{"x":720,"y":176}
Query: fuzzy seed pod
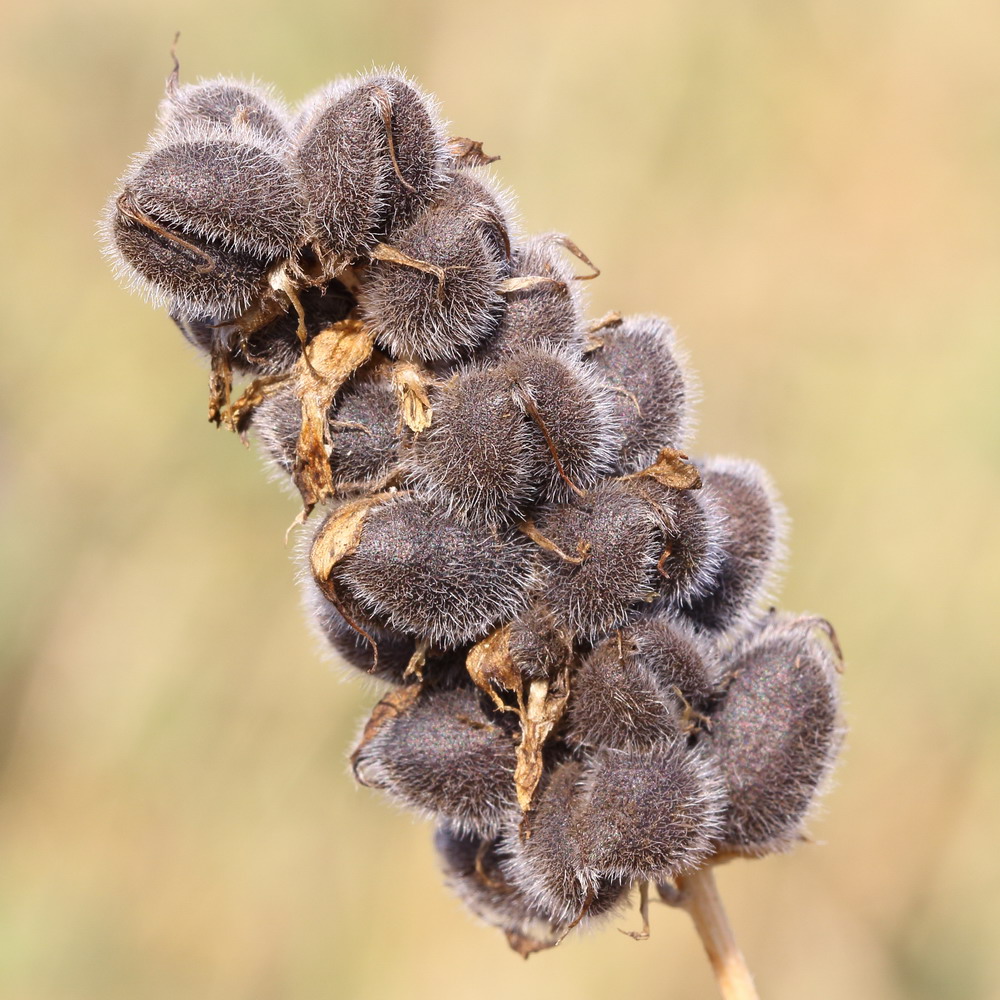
{"x":224,"y":102}
{"x":572,"y":421}
{"x":434,"y":295}
{"x":427,"y":574}
{"x":776,"y":733}
{"x":370,"y":154}
{"x":679,"y":658}
{"x":548,"y":866}
{"x":604,"y":559}
{"x":547,"y":315}
{"x":364,"y":428}
{"x":751,"y":543}
{"x":651,"y":815}
{"x":474,"y":870}
{"x":474,"y":460}
{"x":201,"y":218}
{"x":618,"y":702}
{"x":446,"y":756}
{"x":638,"y":358}
{"x":538,"y":645}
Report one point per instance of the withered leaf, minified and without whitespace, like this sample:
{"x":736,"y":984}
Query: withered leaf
{"x":410,"y":382}
{"x":491,"y":668}
{"x":469,"y":151}
{"x":545,"y":707}
{"x":672,"y":469}
{"x":527,"y":946}
{"x":242,"y":410}
{"x":220,"y":385}
{"x":525,"y":283}
{"x":395,"y":703}
{"x":327,"y":361}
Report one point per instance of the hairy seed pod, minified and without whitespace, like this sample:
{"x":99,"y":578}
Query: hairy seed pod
{"x":370,"y":153}
{"x":603,"y":560}
{"x":446,"y":756}
{"x":776,"y":733}
{"x":618,"y":702}
{"x":639,"y":359}
{"x":434,"y":295}
{"x":548,"y":866}
{"x":539,"y":646}
{"x":474,"y":870}
{"x":682,"y":661}
{"x":430,"y":575}
{"x":651,"y":815}
{"x":571,"y":414}
{"x":364,"y":429}
{"x":547,"y":315}
{"x":751,"y":543}
{"x":200,"y":219}
{"x":225,"y":102}
{"x":474,"y":460}
{"x":394,"y":651}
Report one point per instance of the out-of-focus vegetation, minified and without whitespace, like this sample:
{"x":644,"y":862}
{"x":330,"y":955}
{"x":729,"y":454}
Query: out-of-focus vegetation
{"x":809,"y":190}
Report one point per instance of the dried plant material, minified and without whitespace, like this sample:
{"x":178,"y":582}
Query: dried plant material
{"x":393,"y":256}
{"x":609,"y":319}
{"x":415,"y":668}
{"x":410,"y":382}
{"x":528,"y":528}
{"x":394,"y":704}
{"x":492,"y":669}
{"x":545,"y":706}
{"x":671,"y":469}
{"x":525,"y":283}
{"x":328,"y":360}
{"x":566,"y":242}
{"x":241,"y":411}
{"x":220,"y":386}
{"x":469,"y":152}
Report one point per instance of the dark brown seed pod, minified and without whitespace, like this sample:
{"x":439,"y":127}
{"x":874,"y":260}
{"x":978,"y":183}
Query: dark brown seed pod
{"x":429,"y":575}
{"x":751,"y":544}
{"x":474,"y":870}
{"x":433,"y":294}
{"x":650,"y":815}
{"x":548,"y":866}
{"x":618,"y":702}
{"x":475,"y":460}
{"x":640,"y":360}
{"x":539,"y":646}
{"x":571,"y":415}
{"x":447,"y":756}
{"x":201,"y":218}
{"x":776,"y":734}
{"x":544,"y":310}
{"x":364,"y":428}
{"x":370,"y":154}
{"x":599,"y":559}
{"x":683,"y":661}
{"x":224,"y":102}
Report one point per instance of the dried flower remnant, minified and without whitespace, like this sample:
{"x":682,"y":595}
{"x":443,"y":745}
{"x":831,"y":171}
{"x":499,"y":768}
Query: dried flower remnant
{"x":585,"y":691}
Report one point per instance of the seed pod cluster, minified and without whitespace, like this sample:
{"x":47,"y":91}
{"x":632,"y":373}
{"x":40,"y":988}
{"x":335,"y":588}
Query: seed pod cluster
{"x":583,"y":687}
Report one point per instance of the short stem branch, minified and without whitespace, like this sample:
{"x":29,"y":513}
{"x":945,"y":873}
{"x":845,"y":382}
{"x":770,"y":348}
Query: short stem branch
{"x":700,"y":898}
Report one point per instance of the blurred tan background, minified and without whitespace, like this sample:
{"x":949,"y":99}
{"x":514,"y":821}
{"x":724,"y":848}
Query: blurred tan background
{"x":809,"y":190}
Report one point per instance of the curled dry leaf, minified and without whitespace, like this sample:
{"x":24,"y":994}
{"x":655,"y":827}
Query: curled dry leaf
{"x":470,"y":152}
{"x":328,"y":360}
{"x":492,"y":668}
{"x":410,"y":382}
{"x":671,"y":469}
{"x":545,"y":707}
{"x":340,"y":536}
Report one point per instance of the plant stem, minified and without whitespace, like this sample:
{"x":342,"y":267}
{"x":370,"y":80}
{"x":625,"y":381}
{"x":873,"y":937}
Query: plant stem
{"x":699,"y":896}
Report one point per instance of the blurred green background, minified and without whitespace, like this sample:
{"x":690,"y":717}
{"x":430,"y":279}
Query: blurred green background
{"x":809,"y":190}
